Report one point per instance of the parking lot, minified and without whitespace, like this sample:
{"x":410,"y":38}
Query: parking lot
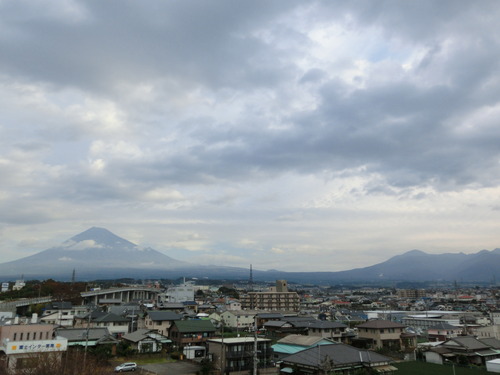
{"x":172,"y":368}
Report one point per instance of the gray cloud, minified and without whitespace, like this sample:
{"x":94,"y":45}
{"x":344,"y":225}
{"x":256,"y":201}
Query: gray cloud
{"x":276,"y":119}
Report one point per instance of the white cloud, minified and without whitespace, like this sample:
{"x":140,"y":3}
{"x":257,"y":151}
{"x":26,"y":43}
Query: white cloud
{"x":82,"y":245}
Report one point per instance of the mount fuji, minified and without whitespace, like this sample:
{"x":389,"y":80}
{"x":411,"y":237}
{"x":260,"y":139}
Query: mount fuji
{"x":94,"y":253}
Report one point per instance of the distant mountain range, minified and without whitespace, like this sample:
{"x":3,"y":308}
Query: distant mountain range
{"x":99,"y":254}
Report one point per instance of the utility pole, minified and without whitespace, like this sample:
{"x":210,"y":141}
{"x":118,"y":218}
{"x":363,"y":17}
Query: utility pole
{"x":222,"y":359}
{"x":86,"y":340}
{"x":255,"y":359}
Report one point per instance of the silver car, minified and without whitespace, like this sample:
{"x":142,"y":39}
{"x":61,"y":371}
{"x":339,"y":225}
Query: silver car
{"x":127,"y":366}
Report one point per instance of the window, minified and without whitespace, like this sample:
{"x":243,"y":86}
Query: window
{"x":21,"y":336}
{"x":15,"y":336}
{"x":27,"y":336}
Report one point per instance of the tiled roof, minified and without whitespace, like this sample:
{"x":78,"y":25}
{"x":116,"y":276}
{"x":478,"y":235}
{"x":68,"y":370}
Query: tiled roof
{"x":491,"y":342}
{"x":110,"y":317}
{"x":188,"y":326}
{"x":468,"y":342}
{"x":163,"y":315}
{"x":301,"y":340}
{"x":79,"y":334}
{"x":319,"y":324}
{"x":380,"y":324}
{"x":136,"y":336}
{"x":337,"y":354}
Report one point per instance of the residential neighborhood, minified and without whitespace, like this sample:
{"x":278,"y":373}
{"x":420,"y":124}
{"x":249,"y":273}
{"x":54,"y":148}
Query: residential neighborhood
{"x":290,"y":328}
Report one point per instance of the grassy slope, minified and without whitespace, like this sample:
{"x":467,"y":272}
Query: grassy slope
{"x":422,"y":368}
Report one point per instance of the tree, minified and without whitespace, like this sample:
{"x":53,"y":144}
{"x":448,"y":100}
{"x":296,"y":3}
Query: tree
{"x":67,"y":363}
{"x":207,"y":367}
{"x":123,"y":349}
{"x":229,"y":292}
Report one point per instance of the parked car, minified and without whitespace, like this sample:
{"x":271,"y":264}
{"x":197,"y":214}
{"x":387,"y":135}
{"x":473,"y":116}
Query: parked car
{"x":127,"y":366}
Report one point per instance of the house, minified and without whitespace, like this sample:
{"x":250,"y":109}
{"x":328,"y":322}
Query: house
{"x":292,"y":344}
{"x":19,"y":343}
{"x":116,"y":324}
{"x":263,"y":318}
{"x":324,"y":329}
{"x":161,"y":320}
{"x":90,"y":337}
{"x":384,"y":334}
{"x":191,"y":332}
{"x":147,"y":340}
{"x":462,"y":350}
{"x":61,"y":313}
{"x":443,"y":331}
{"x":491,"y":342}
{"x":177,"y":307}
{"x":232,"y":304}
{"x":234,"y":355}
{"x":335,"y":358}
{"x":206,"y":308}
{"x":239,"y":319}
{"x":308,"y":326}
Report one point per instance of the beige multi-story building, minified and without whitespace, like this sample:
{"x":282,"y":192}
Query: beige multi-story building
{"x":487,"y":332}
{"x":411,"y":293}
{"x":241,"y":319}
{"x":279,"y":299}
{"x":385,"y":334}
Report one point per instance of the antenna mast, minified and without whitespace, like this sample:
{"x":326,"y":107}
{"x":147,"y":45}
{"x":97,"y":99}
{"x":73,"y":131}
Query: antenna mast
{"x":250,"y":282}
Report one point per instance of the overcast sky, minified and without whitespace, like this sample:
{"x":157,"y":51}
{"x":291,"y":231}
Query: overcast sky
{"x":294,"y":135}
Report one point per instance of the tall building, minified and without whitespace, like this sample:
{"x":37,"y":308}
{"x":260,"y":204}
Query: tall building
{"x":411,"y":293}
{"x":278,"y":299}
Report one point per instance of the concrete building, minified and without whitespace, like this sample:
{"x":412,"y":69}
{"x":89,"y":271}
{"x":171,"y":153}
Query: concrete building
{"x":279,"y":300}
{"x":181,"y":293}
{"x":22,"y":341}
{"x":411,"y":293}
{"x":241,"y":319}
{"x":487,"y":332}
{"x":236,"y":355}
{"x":495,"y":317}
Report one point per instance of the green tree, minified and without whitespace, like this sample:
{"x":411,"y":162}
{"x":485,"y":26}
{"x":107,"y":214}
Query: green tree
{"x":124,"y":349}
{"x":229,"y":292}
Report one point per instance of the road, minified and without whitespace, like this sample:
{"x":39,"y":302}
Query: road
{"x":172,"y":368}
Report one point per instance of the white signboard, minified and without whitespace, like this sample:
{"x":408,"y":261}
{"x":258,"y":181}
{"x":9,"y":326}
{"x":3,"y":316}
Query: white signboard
{"x":36,"y":346}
